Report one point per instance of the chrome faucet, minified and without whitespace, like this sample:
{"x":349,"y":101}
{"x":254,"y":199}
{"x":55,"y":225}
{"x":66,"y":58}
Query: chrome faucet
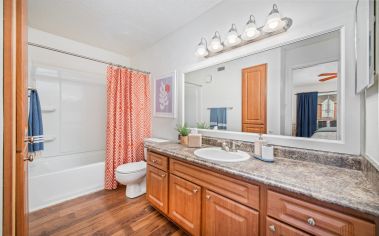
{"x":224,"y":146}
{"x":233,"y":149}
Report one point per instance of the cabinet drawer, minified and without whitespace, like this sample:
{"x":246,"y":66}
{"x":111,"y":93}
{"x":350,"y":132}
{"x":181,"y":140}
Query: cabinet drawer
{"x":315,"y":219}
{"x":240,"y":191}
{"x":222,"y":216}
{"x":157,"y":188}
{"x":274,"y":227}
{"x":157,"y":160}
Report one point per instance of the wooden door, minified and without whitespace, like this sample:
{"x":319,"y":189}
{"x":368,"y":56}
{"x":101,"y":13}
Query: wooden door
{"x":185,"y":204}
{"x":156,"y":188}
{"x":15,"y":207}
{"x":223,"y":216}
{"x":254,"y":85}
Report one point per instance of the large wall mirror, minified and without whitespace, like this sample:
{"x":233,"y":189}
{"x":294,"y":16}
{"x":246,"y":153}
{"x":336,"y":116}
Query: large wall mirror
{"x":292,"y":90}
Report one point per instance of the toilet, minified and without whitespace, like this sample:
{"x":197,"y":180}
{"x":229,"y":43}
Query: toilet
{"x":133,"y":175}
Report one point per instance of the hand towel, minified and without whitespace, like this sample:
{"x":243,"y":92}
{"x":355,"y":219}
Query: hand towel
{"x":35,"y":128}
{"x":218,"y":118}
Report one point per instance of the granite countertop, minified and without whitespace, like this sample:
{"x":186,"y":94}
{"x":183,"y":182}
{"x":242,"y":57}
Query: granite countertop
{"x":344,"y":187}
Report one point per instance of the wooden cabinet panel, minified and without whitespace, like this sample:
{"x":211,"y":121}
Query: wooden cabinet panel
{"x":315,"y":219}
{"x":274,"y":228}
{"x":251,"y":128}
{"x":185,"y":204}
{"x":254,"y":98}
{"x":156,"y":160}
{"x":157,"y":188}
{"x":240,"y":191}
{"x":223,"y":216}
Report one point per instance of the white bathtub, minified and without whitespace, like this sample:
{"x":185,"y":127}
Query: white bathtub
{"x":56,"y":179}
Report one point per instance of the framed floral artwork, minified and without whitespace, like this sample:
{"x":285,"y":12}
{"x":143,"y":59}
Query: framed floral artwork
{"x":165,"y":95}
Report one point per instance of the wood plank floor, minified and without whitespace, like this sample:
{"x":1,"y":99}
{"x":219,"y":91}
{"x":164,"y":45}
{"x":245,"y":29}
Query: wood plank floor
{"x":101,"y":213}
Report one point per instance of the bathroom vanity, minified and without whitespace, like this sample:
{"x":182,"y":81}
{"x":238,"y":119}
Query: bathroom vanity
{"x":255,"y":198}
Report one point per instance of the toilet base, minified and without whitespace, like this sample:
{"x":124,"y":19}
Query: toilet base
{"x":136,"y":189}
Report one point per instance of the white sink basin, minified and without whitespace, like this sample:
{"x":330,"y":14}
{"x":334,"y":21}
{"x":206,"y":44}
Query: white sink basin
{"x":217,"y":154}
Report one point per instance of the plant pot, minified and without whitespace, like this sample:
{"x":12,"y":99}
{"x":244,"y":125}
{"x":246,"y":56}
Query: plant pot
{"x":184,"y":140}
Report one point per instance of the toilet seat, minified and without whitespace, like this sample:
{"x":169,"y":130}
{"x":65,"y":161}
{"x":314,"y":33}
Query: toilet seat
{"x":131,"y":167}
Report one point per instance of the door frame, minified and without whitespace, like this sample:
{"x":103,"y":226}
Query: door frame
{"x":15,"y":209}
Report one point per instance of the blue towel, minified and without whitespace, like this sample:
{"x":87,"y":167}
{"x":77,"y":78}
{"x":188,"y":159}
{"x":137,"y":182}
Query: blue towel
{"x":218,"y":118}
{"x":35,"y":128}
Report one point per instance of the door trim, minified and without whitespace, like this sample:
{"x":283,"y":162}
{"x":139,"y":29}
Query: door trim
{"x":15,"y":220}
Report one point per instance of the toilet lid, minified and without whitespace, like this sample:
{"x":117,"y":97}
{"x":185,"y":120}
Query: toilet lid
{"x":131,"y":167}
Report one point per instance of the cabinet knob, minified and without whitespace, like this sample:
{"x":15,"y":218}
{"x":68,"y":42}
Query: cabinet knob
{"x":208,"y":197}
{"x":311,"y":221}
{"x":195,"y":190}
{"x":272,"y":228}
{"x":163,"y":175}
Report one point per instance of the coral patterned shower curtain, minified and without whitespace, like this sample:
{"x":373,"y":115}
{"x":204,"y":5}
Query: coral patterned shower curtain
{"x":128,"y":119}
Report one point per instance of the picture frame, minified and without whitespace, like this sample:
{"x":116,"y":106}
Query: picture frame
{"x":165,"y":95}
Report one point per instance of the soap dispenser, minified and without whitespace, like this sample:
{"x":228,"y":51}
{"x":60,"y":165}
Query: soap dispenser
{"x":258,"y":146}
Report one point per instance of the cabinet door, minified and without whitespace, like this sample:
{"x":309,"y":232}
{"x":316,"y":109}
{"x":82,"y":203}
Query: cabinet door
{"x":185,"y":204}
{"x":223,"y":216}
{"x":156,"y":188}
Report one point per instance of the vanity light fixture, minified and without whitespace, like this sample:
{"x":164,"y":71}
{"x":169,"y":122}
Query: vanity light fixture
{"x":202,"y":49}
{"x":216,"y":44}
{"x":274,"y":25}
{"x":232,"y":38}
{"x":251,"y":31}
{"x":274,"y":20}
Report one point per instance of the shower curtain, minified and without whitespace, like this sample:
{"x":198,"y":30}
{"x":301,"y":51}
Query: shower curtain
{"x":128,"y":119}
{"x":306,"y":114}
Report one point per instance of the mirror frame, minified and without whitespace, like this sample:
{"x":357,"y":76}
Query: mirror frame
{"x":350,"y":124}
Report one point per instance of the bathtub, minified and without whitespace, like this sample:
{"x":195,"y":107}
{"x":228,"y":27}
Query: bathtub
{"x":56,"y":179}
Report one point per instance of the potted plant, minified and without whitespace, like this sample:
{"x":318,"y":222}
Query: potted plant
{"x":183,"y":131}
{"x":202,"y":125}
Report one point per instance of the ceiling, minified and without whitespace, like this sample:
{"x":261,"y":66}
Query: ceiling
{"x":122,"y":26}
{"x":309,"y":75}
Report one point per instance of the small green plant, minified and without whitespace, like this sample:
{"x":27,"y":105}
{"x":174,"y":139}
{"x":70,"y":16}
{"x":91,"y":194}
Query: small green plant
{"x":202,"y":125}
{"x":183,"y":130}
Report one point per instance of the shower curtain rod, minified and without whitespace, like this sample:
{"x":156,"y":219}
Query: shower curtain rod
{"x":84,"y":57}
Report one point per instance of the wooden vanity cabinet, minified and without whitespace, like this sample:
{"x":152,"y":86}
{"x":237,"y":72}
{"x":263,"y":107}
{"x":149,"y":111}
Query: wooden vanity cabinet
{"x":204,"y":202}
{"x":222,"y":216}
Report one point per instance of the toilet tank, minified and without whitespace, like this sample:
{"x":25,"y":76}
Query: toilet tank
{"x":153,"y":140}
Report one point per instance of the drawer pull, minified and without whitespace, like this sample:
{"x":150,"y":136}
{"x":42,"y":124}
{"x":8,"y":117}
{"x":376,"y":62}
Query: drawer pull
{"x":311,"y":221}
{"x":163,"y":175}
{"x":272,"y":228}
{"x":208,"y":197}
{"x":154,"y":161}
{"x":195,"y":190}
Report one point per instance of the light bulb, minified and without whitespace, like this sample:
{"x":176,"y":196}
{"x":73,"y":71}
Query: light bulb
{"x":273,"y":23}
{"x":274,"y":20}
{"x":202,"y":50}
{"x":216,"y":45}
{"x":232,"y":38}
{"x":251,"y":31}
